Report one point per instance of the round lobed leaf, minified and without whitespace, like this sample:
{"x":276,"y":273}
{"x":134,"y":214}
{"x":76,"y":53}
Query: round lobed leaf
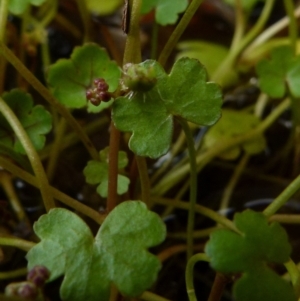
{"x":117,"y":254}
{"x":280,"y":73}
{"x":260,"y":243}
{"x":71,"y":78}
{"x":149,"y":115}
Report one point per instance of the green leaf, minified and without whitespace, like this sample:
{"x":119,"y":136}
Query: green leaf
{"x":248,"y":253}
{"x":166,"y":11}
{"x":103,"y":7}
{"x":71,"y":78}
{"x":35,"y":119}
{"x":149,"y":115}
{"x":117,"y":254}
{"x":246,"y":4}
{"x":97,"y":172}
{"x":263,"y":285}
{"x":233,"y":124}
{"x":280,"y":73}
{"x":18,"y":7}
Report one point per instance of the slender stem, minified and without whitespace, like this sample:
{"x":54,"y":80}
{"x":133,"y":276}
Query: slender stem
{"x":86,"y":20}
{"x":233,"y":181}
{"x":56,"y":148}
{"x":269,"y":33}
{"x":154,"y":40}
{"x":239,"y":25}
{"x":173,"y":177}
{"x":111,"y":45}
{"x":175,"y":148}
{"x":8,"y":187}
{"x":149,"y":296}
{"x":13,"y":274}
{"x":196,"y":234}
{"x":144,"y":178}
{"x":3,"y":19}
{"x":31,"y":153}
{"x":176,"y":34}
{"x":256,"y":29}
{"x":71,"y":138}
{"x":285,"y":218}
{"x":218,"y":287}
{"x":213,"y":215}
{"x":294,"y":274}
{"x":50,"y":13}
{"x":189,"y":274}
{"x":283,"y":197}
{"x":40,"y":88}
{"x":113,"y":168}
{"x":222,"y":72}
{"x":65,"y":199}
{"x":17,"y":242}
{"x":293,"y":29}
{"x":193,"y":185}
{"x":68,"y":25}
{"x":132,"y":53}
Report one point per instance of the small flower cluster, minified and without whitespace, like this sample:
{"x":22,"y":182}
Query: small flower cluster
{"x":30,"y":289}
{"x":138,"y":77}
{"x":99,"y":92}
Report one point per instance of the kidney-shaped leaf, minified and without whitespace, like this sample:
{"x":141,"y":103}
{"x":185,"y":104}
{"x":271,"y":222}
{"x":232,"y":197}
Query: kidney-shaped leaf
{"x":166,"y":11}
{"x":36,"y":121}
{"x":260,"y":243}
{"x":71,"y":78}
{"x":117,"y":254}
{"x":280,"y":73}
{"x":149,"y":115}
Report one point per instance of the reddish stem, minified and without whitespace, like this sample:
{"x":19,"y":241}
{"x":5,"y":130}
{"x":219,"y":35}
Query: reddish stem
{"x":218,"y":287}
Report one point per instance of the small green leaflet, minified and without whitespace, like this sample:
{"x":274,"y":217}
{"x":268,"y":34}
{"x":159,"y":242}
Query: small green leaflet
{"x":280,"y":73}
{"x":232,"y":124}
{"x":117,"y":254}
{"x":166,"y":11}
{"x":184,"y":93}
{"x":97,"y":172}
{"x":71,"y":78}
{"x":18,"y":7}
{"x":249,"y":253}
{"x":36,"y":121}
